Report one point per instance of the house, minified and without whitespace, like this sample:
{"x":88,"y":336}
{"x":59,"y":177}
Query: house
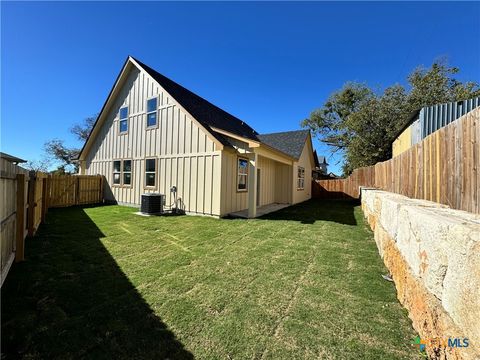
{"x":153,"y":134}
{"x":321,"y":165}
{"x":429,"y":119}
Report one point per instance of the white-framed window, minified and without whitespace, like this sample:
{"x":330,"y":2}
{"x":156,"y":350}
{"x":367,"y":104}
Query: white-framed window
{"x":117,"y":172}
{"x":123,"y":123}
{"x":300,"y":178}
{"x":150,"y":172}
{"x":242,"y":174}
{"x":152,"y":112}
{"x":122,"y":172}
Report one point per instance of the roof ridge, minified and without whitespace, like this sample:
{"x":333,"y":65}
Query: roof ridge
{"x":167,"y":82}
{"x":284,"y":132}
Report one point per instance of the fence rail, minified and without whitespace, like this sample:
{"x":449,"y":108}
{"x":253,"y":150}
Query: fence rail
{"x":444,"y":167}
{"x":25,"y":199}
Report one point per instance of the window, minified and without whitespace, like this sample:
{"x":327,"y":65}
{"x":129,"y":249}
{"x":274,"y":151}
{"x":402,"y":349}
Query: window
{"x":123,"y":119}
{"x":122,"y":172}
{"x":301,"y":178}
{"x":242,"y":174}
{"x":116,"y":172}
{"x":150,"y":172}
{"x":127,"y":172}
{"x":151,"y":112}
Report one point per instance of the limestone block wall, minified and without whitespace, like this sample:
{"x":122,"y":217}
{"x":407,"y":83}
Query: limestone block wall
{"x":433,"y":254}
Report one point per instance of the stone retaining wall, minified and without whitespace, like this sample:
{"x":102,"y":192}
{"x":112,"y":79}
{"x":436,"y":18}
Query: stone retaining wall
{"x":433,"y":254}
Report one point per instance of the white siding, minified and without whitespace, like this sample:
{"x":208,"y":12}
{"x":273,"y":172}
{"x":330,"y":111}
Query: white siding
{"x":186,"y":156}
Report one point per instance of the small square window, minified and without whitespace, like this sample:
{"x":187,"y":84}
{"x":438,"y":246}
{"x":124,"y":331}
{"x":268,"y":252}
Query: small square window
{"x":150,"y":165}
{"x":116,"y":178}
{"x":127,"y":178}
{"x":116,"y":166}
{"x":150,"y":179}
{"x":152,"y":119}
{"x":152,"y":105}
{"x":123,"y":126}
{"x":124,"y":112}
{"x":127,"y":165}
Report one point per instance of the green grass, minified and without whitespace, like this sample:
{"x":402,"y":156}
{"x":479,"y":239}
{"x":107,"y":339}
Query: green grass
{"x":304,"y":282}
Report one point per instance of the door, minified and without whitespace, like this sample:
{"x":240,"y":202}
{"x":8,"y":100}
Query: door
{"x":258,"y":187}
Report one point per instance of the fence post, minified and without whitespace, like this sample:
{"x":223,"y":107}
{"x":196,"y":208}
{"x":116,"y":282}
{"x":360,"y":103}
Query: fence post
{"x":20,"y":218}
{"x":102,"y":195}
{"x":31,"y":203}
{"x":77,"y":189}
{"x":44,"y":198}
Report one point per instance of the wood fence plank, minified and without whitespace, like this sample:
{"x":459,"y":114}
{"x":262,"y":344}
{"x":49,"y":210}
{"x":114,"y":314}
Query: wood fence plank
{"x":20,"y":220}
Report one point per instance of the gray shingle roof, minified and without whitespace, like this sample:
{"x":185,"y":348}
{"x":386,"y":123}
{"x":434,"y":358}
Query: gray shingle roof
{"x":202,"y":110}
{"x":288,"y":142}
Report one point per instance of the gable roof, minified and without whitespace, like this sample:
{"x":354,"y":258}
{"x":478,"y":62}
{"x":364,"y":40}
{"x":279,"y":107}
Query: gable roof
{"x":202,"y":110}
{"x":211,"y":117}
{"x":288,"y":142}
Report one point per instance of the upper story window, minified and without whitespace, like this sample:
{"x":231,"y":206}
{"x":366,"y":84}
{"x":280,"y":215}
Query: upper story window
{"x":150,"y":172}
{"x":152,"y":112}
{"x":123,"y":119}
{"x":301,"y":178}
{"x":242,"y":174}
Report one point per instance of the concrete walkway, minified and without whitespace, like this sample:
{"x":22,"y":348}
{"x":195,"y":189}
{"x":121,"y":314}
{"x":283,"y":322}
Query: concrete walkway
{"x":261,"y":210}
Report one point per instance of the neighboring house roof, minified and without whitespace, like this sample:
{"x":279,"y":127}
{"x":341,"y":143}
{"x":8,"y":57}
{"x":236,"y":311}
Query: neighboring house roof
{"x":315,"y":158}
{"x":202,"y":110}
{"x":11,"y":158}
{"x":288,"y":142}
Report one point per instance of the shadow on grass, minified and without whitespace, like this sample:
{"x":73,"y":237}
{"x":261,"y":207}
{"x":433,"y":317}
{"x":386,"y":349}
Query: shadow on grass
{"x":69,"y":299}
{"x":308,"y":212}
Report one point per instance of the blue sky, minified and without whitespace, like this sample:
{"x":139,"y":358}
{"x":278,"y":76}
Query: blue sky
{"x":270,"y":64}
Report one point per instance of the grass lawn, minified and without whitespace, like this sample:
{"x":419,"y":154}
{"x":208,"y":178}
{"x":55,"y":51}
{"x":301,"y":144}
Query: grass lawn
{"x":304,"y":282}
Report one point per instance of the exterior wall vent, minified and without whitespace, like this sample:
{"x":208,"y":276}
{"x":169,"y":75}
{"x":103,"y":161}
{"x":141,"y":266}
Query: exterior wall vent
{"x":152,"y":203}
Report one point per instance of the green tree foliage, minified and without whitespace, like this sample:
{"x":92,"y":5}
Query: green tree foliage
{"x":362,"y":124}
{"x":64,"y":156}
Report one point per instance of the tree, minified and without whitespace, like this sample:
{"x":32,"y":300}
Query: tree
{"x":82,"y":130}
{"x":38,"y":165}
{"x":65,"y":156}
{"x":361,"y":124}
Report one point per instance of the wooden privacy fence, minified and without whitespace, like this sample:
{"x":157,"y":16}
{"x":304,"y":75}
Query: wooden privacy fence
{"x":12,"y":207}
{"x":75,"y":190}
{"x":25,"y":199}
{"x":444,"y":167}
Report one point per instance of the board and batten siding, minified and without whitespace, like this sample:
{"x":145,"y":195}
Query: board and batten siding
{"x":186,"y":156}
{"x":275,"y":183}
